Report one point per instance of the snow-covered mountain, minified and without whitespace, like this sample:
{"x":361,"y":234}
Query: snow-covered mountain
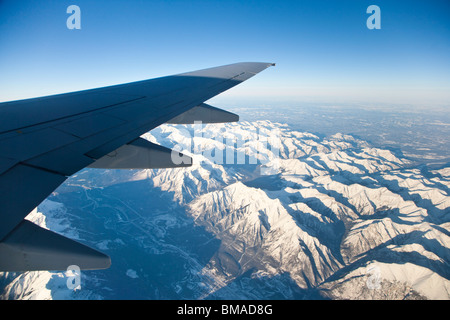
{"x":265,"y":212}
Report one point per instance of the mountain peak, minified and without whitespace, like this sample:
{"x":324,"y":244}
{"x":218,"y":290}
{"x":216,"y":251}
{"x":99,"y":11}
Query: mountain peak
{"x":297,"y":211}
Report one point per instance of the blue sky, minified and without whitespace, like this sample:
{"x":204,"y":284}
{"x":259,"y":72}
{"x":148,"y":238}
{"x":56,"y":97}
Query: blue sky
{"x":323,"y":49}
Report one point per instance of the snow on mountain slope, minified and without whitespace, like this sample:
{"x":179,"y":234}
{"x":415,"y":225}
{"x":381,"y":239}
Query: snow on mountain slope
{"x":338,"y":196}
{"x":186,"y":184}
{"x":43,"y":285}
{"x":297,"y":216}
{"x":263,"y":234}
{"x":391,"y":281}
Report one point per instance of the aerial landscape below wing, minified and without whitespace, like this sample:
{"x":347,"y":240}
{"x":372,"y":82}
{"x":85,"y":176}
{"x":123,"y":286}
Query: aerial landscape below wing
{"x":45,"y":140}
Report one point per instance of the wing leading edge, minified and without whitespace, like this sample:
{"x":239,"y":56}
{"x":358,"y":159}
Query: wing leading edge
{"x":45,"y":140}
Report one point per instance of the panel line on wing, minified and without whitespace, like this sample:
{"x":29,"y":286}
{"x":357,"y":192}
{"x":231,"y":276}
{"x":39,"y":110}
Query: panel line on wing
{"x":69,"y":116}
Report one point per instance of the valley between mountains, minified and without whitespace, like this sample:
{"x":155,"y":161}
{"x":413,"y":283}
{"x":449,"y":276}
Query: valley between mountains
{"x":265,"y":212}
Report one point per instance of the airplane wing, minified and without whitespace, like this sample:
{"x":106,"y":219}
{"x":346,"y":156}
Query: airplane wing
{"x":45,"y":140}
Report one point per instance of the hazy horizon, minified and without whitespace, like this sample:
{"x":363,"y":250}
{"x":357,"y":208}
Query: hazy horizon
{"x":323,"y":50}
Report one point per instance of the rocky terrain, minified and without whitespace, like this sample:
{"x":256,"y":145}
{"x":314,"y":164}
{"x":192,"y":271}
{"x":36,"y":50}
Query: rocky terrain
{"x":265,"y":212}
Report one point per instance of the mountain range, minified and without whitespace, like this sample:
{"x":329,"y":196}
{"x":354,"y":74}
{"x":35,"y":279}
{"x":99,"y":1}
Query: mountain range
{"x":264,"y":212}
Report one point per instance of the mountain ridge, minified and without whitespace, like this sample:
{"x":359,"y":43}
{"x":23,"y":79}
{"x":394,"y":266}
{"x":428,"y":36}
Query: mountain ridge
{"x":322,"y":217}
